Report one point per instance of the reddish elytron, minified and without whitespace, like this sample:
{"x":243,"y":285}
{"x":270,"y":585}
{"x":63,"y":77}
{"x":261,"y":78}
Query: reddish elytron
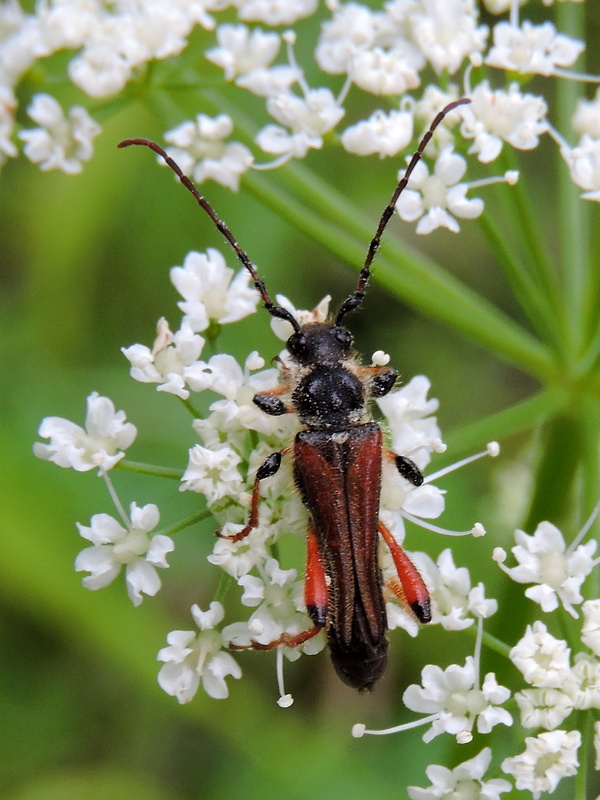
{"x":337,"y":468}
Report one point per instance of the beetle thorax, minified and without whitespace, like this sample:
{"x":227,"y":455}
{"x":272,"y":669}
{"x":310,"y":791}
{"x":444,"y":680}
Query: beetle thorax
{"x":328,"y":393}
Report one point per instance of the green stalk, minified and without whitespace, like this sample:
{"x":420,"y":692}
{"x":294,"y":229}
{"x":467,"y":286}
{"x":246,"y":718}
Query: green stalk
{"x":573,"y":215}
{"x":187,"y":522}
{"x":225,"y":584}
{"x":527,"y":222}
{"x":526,"y":415}
{"x":561,"y":449}
{"x":495,"y":644}
{"x":191,"y":408}
{"x":590,"y":478}
{"x":535,"y":305}
{"x":149,"y":469}
{"x":587,"y":736}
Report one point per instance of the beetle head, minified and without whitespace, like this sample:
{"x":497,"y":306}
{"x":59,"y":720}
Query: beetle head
{"x":320,"y":343}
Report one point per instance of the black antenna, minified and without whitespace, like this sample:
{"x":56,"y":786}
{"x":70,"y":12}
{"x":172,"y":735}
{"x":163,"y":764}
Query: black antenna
{"x":275,"y":311}
{"x":357,"y":297}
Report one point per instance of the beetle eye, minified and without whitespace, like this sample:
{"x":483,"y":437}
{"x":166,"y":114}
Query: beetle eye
{"x":296,"y":344}
{"x":344,"y":337}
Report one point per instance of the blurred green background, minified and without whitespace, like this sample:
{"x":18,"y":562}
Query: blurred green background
{"x":84,"y":271}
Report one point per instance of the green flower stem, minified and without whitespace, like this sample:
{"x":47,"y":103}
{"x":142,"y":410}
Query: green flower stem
{"x":491,"y":642}
{"x":495,"y":644}
{"x":573,"y":213}
{"x":590,"y":477}
{"x":191,"y":408}
{"x":593,"y":211}
{"x":527,"y":221}
{"x":164,"y":105}
{"x":187,"y":522}
{"x":590,"y":357}
{"x":225,"y":584}
{"x":523,"y":416}
{"x":583,"y":754}
{"x":403,"y":272}
{"x":149,"y":469}
{"x":561,"y":450}
{"x":524,"y":287}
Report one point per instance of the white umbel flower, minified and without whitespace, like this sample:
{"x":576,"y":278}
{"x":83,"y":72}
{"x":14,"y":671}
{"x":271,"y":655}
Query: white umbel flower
{"x":411,"y":421}
{"x":61,"y":142}
{"x":194,"y":657}
{"x":241,"y":51}
{"x":583,"y":161}
{"x":434,"y":198}
{"x":464,"y":782}
{"x":99,"y":445}
{"x":556,"y":571}
{"x":497,"y":116}
{"x":387,"y":72}
{"x":586,"y":672}
{"x":8,"y":106}
{"x":115,"y":547}
{"x":166,"y":362}
{"x":586,"y":118}
{"x":275,"y":12}
{"x":213,"y":473}
{"x":546,"y":760}
{"x":590,"y":630}
{"x":201,"y":152}
{"x":446,"y":32}
{"x":532,"y":48}
{"x":308,"y":119}
{"x":460,"y":705}
{"x":543,"y":708}
{"x":384,"y":134}
{"x":353,"y":28}
{"x":211,"y":292}
{"x":278,"y":598}
{"x":543,"y":660}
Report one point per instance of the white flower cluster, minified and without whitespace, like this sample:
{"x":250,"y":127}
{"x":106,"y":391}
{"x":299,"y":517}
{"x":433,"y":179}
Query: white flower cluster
{"x":100,"y":445}
{"x":583,"y":159}
{"x":461,"y":783}
{"x":558,"y":684}
{"x":555,"y":570}
{"x":384,"y":52}
{"x":456,"y":702}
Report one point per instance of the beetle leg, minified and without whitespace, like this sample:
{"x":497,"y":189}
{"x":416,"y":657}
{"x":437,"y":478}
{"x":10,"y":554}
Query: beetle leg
{"x":411,"y":589}
{"x":378,"y":380}
{"x":269,"y":467}
{"x":316,"y":594}
{"x":269,"y":400}
{"x":406,"y":467}
{"x":286,"y":639}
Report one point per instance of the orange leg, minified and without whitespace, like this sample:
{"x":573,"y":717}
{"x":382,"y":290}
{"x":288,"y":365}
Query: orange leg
{"x":286,"y":639}
{"x":269,"y":467}
{"x":315,"y":593}
{"x":411,"y":589}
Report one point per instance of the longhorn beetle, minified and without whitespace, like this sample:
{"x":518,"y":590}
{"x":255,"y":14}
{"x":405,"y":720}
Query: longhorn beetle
{"x":337,"y":467}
